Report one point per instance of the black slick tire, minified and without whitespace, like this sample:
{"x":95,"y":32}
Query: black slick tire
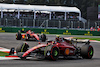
{"x":87,"y":51}
{"x":18,"y":36}
{"x":43,"y":37}
{"x":52,"y":52}
{"x":21,"y":49}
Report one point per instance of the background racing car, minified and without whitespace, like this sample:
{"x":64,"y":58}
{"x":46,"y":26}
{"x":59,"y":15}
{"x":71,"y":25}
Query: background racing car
{"x":29,"y":35}
{"x":54,"y":49}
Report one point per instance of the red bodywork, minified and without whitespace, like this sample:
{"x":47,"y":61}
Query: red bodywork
{"x":32,"y":35}
{"x":62,"y":45}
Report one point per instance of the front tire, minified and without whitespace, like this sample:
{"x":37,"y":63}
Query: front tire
{"x":43,"y":37}
{"x":21,"y":49}
{"x":23,"y":58}
{"x":52,"y":52}
{"x":87,"y":51}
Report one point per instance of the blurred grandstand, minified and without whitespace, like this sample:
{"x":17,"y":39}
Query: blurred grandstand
{"x":26,"y":19}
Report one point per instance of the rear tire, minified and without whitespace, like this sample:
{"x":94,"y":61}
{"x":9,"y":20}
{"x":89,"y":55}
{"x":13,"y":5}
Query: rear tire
{"x":18,"y":36}
{"x":43,"y":37}
{"x":87,"y":51}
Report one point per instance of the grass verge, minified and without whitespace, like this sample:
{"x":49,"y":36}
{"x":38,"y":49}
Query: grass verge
{"x":3,"y":54}
{"x":98,"y":39}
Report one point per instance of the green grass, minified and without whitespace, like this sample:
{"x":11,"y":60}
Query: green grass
{"x":98,"y":39}
{"x":3,"y":54}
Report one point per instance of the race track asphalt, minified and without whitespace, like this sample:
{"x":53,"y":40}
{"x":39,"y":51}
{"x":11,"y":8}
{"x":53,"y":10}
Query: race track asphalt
{"x":8,"y":40}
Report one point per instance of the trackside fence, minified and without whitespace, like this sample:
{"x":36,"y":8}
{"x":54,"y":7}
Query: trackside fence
{"x":43,"y":23}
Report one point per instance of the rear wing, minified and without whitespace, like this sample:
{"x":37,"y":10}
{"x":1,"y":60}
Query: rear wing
{"x":86,"y":41}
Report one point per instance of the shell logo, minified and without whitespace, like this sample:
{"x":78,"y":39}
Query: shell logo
{"x":88,"y":32}
{"x":22,"y":29}
{"x":45,"y":30}
{"x":66,"y":31}
{"x":0,"y":28}
{"x":67,"y":51}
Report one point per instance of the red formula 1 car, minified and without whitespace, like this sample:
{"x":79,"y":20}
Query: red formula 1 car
{"x":54,"y":49}
{"x":29,"y":35}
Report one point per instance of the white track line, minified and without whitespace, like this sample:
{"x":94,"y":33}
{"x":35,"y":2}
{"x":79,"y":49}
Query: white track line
{"x":8,"y":58}
{"x":95,"y":41}
{"x":4,"y":49}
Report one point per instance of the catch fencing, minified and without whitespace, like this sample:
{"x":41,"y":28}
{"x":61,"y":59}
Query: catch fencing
{"x":46,"y":23}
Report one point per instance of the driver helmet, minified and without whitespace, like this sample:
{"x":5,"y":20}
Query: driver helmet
{"x":32,"y":32}
{"x":57,"y":36}
{"x":19,"y":31}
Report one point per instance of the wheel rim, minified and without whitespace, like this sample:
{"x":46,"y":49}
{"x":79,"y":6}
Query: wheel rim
{"x":16,"y":36}
{"x":55,"y":53}
{"x":91,"y":52}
